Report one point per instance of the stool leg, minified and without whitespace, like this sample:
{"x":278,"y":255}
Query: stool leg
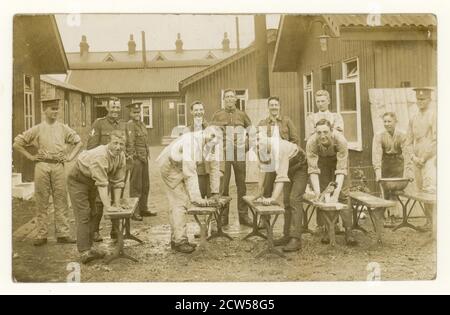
{"x":331,"y":218}
{"x":255,"y":231}
{"x":119,"y":251}
{"x":270,"y":246}
{"x":128,"y":235}
{"x":378,"y":215}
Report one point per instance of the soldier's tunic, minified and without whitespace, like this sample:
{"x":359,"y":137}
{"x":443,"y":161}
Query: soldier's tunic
{"x":49,"y":175}
{"x":101,"y":135}
{"x":137,"y":149}
{"x":178,"y":166}
{"x":422,"y":137}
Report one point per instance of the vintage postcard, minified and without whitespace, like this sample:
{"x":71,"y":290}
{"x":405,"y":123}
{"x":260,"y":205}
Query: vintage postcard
{"x":223,"y":148}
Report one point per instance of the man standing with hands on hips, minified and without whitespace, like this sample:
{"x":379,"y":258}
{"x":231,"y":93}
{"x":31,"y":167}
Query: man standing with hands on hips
{"x":138,"y":155}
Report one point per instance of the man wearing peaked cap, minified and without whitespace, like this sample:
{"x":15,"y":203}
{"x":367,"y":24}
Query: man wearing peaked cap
{"x":422,"y":138}
{"x":138,"y":154}
{"x":51,"y":138}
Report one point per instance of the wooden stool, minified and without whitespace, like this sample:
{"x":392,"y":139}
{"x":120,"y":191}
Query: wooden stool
{"x":307,"y":215}
{"x":220,"y":208}
{"x":121,"y":226}
{"x":376,"y":208}
{"x":330,"y":212}
{"x":203,"y":216}
{"x":265,"y":213}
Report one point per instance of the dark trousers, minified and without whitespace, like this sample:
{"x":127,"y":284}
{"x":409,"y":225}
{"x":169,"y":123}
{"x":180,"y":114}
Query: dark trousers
{"x":82,"y":192}
{"x":204,"y":185}
{"x":240,"y":172}
{"x":392,"y":166}
{"x":327,"y":166}
{"x":293,"y":202}
{"x":140,"y":183}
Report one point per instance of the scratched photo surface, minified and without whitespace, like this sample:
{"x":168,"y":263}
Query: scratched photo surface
{"x":224,"y":148}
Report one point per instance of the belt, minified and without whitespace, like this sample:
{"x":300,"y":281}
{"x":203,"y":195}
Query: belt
{"x":50,"y":161}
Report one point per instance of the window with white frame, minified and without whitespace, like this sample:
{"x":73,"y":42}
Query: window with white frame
{"x":146,"y":111}
{"x":242,"y":99}
{"x":28,"y":101}
{"x":308,"y":99}
{"x":181,"y":114}
{"x":348,"y":96}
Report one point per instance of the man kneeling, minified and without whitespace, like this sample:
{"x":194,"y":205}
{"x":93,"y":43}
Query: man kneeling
{"x":94,"y":171}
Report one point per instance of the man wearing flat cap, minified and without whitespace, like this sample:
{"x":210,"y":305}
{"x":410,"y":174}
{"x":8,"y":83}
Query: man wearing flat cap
{"x":422,"y":138}
{"x":138,"y":154}
{"x":101,"y":135}
{"x":52,"y":139}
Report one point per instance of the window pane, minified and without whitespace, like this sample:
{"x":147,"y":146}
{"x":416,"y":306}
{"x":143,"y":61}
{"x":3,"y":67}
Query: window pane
{"x":352,"y":68}
{"x":146,"y":120}
{"x":146,"y":110}
{"x":181,"y":109}
{"x":351,"y":127}
{"x":347,"y":94}
{"x":28,"y":83}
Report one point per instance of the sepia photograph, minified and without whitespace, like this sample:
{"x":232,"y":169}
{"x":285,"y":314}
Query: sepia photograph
{"x":161,"y":148}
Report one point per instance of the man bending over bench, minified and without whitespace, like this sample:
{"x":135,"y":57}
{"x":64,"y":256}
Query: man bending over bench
{"x":327,"y":153}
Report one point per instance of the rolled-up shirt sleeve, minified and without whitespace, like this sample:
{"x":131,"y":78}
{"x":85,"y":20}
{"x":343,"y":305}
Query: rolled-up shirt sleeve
{"x":342,"y":155}
{"x":71,"y":136}
{"x":283,"y":162}
{"x":377,"y":152}
{"x":27,"y":137}
{"x":117,"y":179}
{"x":312,"y":156}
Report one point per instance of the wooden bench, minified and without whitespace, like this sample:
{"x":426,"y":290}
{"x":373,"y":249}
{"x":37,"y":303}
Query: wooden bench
{"x":265,"y":213}
{"x":415,"y":197}
{"x":330,"y":212}
{"x":376,"y":207}
{"x":203,"y":216}
{"x":121,"y":226}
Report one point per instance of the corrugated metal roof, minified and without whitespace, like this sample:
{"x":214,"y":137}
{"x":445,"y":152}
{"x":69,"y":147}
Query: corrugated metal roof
{"x":386,"y":20}
{"x":61,"y":84}
{"x":122,"y":81}
{"x":121,"y":59}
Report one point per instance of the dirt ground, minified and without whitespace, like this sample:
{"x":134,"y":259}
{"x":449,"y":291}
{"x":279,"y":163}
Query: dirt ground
{"x":402,"y":257}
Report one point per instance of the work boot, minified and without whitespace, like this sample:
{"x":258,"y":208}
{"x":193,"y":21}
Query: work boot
{"x":325,"y":239}
{"x":349,"y":239}
{"x":245,"y":220}
{"x":97,"y":237}
{"x":40,"y":242}
{"x":91,"y":255}
{"x":294,"y":245}
{"x":137,"y":217}
{"x":282,"y":241}
{"x":147,"y":213}
{"x":184,"y":248}
{"x":65,"y":240}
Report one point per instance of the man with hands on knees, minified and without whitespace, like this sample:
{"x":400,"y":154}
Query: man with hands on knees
{"x":92,"y":173}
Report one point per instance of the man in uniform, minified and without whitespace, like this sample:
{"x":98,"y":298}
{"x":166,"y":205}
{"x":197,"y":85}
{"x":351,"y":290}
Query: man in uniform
{"x":422,"y":137}
{"x":234,"y":123}
{"x":138,"y":155}
{"x":178,"y":165}
{"x":51,"y":138}
{"x":100,"y":135}
{"x":93,"y":173}
{"x":323,"y":104}
{"x":327,"y":154}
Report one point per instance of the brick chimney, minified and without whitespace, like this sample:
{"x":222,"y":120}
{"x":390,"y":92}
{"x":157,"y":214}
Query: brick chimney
{"x":179,"y":44}
{"x":131,"y":45}
{"x":84,"y":46}
{"x":225,"y":42}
